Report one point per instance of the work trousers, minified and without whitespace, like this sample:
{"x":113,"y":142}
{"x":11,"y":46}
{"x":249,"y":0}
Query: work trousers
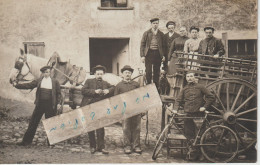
{"x":152,"y":66}
{"x":43,"y":107}
{"x":131,"y":131}
{"x":190,"y":128}
{"x":100,"y":142}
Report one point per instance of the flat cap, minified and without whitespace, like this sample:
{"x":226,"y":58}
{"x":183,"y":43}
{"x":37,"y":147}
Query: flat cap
{"x":43,"y":69}
{"x":99,"y":67}
{"x":154,"y":19}
{"x":209,"y":27}
{"x":170,"y":23}
{"x":127,"y":67}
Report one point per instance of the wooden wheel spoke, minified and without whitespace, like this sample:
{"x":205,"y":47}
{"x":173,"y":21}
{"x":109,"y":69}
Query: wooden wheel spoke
{"x":247,"y":111}
{"x":238,"y":94}
{"x":220,"y":111}
{"x":247,"y":100}
{"x":227,"y":92}
{"x":218,"y":98}
{"x":243,"y":119}
{"x":216,"y":116}
{"x":214,"y":122}
{"x":239,"y":137}
{"x":252,"y":133}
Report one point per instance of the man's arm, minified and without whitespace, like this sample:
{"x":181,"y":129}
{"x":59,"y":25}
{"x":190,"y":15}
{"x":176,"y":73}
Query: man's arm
{"x":200,"y":48}
{"x":30,"y":85}
{"x":220,"y":47}
{"x":143,"y":44}
{"x":171,"y":50}
{"x":117,"y":90}
{"x":58,"y":92}
{"x":209,"y":97}
{"x":86,"y":91}
{"x":179,"y":100}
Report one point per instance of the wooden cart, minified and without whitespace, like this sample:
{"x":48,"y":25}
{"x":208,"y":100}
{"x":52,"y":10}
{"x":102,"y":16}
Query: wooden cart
{"x":233,"y":82}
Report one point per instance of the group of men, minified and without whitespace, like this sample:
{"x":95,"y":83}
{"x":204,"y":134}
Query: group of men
{"x":157,"y":47}
{"x":48,"y":97}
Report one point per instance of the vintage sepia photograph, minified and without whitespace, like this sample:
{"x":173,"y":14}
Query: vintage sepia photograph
{"x":128,"y":81}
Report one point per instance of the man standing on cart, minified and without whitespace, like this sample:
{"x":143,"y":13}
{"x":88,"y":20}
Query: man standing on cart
{"x":195,"y":99}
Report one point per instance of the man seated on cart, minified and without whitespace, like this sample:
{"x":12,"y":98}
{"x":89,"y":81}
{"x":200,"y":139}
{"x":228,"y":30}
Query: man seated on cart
{"x":195,"y":98}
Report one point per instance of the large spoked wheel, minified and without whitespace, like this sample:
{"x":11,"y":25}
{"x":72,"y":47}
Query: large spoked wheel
{"x":161,"y":140}
{"x":236,"y":107}
{"x":219,"y":144}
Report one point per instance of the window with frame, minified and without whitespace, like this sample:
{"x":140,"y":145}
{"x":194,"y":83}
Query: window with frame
{"x":35,"y":48}
{"x":114,"y":5}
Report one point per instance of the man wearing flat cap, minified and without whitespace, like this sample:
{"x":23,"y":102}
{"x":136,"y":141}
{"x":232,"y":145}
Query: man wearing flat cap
{"x":132,"y":125}
{"x":152,"y":51}
{"x":95,"y":90}
{"x":169,"y":37}
{"x":211,"y":45}
{"x":48,"y":96}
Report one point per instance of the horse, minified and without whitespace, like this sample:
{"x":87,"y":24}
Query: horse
{"x":27,"y":68}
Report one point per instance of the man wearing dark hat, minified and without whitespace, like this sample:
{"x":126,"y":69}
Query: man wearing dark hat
{"x":211,"y":45}
{"x":132,"y":125}
{"x":95,"y":90}
{"x":152,"y":51}
{"x":48,"y":96}
{"x":169,"y":37}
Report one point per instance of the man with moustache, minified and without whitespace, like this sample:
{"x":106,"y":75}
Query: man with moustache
{"x":132,"y":125}
{"x":95,"y":90}
{"x":169,"y":37}
{"x":211,"y":45}
{"x":48,"y":96}
{"x":191,"y":98}
{"x":152,"y":51}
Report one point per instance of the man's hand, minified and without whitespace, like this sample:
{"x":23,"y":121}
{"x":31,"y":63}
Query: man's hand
{"x":105,"y":91}
{"x":163,"y":59}
{"x":143,"y":59}
{"x":174,"y":111}
{"x":202,"y":109}
{"x":216,"y":55}
{"x":59,"y":109}
{"x":98,"y":91}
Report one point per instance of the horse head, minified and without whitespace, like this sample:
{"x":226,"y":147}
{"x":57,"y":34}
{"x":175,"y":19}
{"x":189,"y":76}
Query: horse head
{"x":21,"y":70}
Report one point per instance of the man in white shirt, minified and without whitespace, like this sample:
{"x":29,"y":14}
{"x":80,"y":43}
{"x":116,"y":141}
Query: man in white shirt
{"x":48,"y":96}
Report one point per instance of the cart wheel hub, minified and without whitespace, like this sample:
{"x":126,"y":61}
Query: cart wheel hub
{"x":229,"y":117}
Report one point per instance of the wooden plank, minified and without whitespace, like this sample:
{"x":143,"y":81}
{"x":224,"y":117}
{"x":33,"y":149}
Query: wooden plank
{"x":102,"y":113}
{"x":200,"y":61}
{"x":204,"y":72}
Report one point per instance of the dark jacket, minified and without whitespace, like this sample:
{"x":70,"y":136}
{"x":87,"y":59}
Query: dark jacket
{"x":192,"y":97}
{"x":56,"y":92}
{"x":146,"y":41}
{"x":88,"y":91}
{"x":168,"y":40}
{"x":214,"y":45}
{"x":124,"y":86}
{"x":177,"y":45}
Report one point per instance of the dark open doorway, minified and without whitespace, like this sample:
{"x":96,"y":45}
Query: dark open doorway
{"x":109,"y":52}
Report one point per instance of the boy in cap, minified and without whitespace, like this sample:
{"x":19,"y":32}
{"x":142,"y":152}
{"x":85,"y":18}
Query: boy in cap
{"x":95,"y":90}
{"x":48,"y":96}
{"x":152,"y":51}
{"x":132,"y":125}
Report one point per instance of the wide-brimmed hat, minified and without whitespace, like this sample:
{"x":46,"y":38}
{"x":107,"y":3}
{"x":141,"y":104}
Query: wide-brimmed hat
{"x":209,"y":27}
{"x":154,"y":19}
{"x":99,"y":67}
{"x":127,"y":67}
{"x":170,"y":23}
{"x":43,"y":69}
